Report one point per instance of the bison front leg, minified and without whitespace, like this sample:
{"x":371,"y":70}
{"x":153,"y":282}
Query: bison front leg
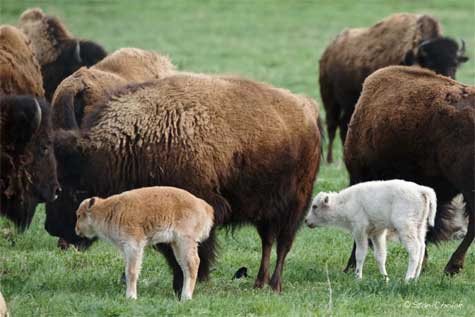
{"x":458,"y":257}
{"x":167,"y":251}
{"x":284,"y":243}
{"x":267,"y":239}
{"x":350,"y":266}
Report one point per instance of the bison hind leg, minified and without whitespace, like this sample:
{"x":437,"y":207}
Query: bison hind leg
{"x":207,"y":252}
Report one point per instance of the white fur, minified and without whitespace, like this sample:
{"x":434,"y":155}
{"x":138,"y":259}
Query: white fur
{"x":369,"y":209}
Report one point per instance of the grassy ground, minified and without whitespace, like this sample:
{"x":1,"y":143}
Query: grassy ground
{"x":273,"y":41}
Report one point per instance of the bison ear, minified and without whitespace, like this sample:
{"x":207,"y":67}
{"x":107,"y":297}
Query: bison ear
{"x":409,"y":59}
{"x":326,"y":200}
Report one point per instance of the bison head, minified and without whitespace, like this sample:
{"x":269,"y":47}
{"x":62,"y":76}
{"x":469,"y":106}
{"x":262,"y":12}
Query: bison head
{"x":27,"y":158}
{"x":73,"y":55}
{"x":442,"y":55}
{"x":60,"y":217}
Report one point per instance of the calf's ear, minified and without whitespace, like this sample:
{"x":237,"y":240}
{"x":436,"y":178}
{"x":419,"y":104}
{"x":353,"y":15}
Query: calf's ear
{"x":92,"y":201}
{"x":326,"y":200}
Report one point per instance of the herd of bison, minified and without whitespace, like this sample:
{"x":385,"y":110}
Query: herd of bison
{"x":78,"y":122}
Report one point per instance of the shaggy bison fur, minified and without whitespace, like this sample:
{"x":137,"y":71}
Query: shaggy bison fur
{"x":78,"y":93}
{"x":404,"y":38}
{"x":250,"y":150}
{"x":19,"y":70}
{"x":59,"y":53}
{"x":413,"y":124}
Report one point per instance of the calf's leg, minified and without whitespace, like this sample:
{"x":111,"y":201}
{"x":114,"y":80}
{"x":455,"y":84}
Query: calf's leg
{"x":133,"y":253}
{"x":361,"y":241}
{"x":410,"y":240}
{"x":186,"y":253}
{"x":380,"y":252}
{"x":167,"y":251}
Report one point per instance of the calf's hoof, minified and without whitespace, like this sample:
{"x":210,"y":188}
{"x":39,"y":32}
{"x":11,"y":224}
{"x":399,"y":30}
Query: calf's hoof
{"x":452,"y":269}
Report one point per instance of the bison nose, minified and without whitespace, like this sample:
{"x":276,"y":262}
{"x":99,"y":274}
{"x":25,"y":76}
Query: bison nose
{"x":57,"y":192}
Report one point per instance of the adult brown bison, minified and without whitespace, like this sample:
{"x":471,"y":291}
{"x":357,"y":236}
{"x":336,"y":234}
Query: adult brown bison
{"x":78,"y":93}
{"x":27,"y":156}
{"x":407,"y":39}
{"x":250,"y":150}
{"x":19,"y":69}
{"x":59,"y":53}
{"x":412,"y":124}
{"x":28,"y":165}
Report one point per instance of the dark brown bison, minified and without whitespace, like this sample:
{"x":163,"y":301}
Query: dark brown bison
{"x":413,"y":124}
{"x":400,"y":39}
{"x":250,"y":150}
{"x":19,"y":70}
{"x":85,"y":88}
{"x":28,"y":163}
{"x":59,"y":53}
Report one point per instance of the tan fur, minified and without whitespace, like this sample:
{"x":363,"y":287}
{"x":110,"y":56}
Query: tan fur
{"x":361,"y":48}
{"x":148,"y":216}
{"x":33,"y":23}
{"x":91,"y":85}
{"x":19,"y":69}
{"x":3,"y":307}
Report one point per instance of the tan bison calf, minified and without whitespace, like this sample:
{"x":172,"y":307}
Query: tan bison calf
{"x":403,"y":38}
{"x":147,"y":216}
{"x":3,"y":307}
{"x":79,"y":93}
{"x":413,"y":124}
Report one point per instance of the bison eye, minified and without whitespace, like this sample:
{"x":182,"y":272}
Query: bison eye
{"x":44,"y":149}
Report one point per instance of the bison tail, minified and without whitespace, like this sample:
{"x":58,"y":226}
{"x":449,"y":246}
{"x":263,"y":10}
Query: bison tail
{"x":322,"y":135}
{"x":449,"y":218}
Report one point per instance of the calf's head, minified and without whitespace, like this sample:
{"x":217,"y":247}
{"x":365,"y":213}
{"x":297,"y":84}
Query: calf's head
{"x":442,"y":55}
{"x":320,"y":213}
{"x":84,"y":222}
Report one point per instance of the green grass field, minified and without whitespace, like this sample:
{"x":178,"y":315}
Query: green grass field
{"x":278,"y":42}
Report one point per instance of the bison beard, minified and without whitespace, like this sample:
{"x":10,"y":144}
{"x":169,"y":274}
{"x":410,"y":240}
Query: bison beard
{"x":425,"y":135}
{"x":250,"y":150}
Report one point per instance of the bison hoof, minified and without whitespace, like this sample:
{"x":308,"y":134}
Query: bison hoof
{"x":349,"y":269}
{"x":259,"y":283}
{"x":276,"y":286}
{"x":452,"y":269}
{"x":63,"y":244}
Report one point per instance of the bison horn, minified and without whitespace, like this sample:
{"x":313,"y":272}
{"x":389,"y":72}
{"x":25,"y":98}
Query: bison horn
{"x":462,"y":49}
{"x":37,"y":116}
{"x":77,"y":52}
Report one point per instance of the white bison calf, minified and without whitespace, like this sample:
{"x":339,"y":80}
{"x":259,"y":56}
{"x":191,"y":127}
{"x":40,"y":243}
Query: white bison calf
{"x":369,"y":209}
{"x":147,"y":216}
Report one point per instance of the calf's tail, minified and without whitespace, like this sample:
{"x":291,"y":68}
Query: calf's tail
{"x":430,"y":207}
